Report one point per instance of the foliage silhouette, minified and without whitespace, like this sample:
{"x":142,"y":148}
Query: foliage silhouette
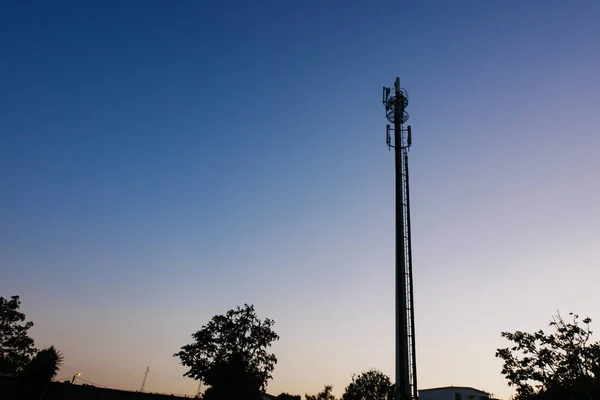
{"x":16,"y":348}
{"x":560,"y":365}
{"x":236,"y":342}
{"x":287,"y":396}
{"x":230,"y":379}
{"x":38,"y":373}
{"x":325,"y":394}
{"x":44,"y":365}
{"x":370,"y":385}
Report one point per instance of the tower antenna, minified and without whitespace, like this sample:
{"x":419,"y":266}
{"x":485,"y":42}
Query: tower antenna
{"x":395,"y":101}
{"x":145,"y":377}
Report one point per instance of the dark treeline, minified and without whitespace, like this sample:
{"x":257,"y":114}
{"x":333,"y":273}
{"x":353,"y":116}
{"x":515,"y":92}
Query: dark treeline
{"x":230,"y":355}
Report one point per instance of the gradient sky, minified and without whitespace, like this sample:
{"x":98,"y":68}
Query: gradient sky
{"x":163,"y":162}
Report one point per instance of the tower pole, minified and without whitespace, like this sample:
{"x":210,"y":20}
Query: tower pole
{"x":406,"y":377}
{"x":145,"y":377}
{"x":401,"y":301}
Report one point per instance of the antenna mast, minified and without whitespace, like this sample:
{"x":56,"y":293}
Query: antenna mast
{"x":145,"y":377}
{"x":395,"y":102}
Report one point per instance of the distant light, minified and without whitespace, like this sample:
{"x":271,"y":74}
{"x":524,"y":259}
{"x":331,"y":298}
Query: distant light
{"x":75,"y":376}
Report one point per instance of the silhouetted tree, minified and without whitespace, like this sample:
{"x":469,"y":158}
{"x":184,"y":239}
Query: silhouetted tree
{"x":16,"y":348}
{"x":236,"y":341}
{"x":560,"y":365}
{"x":287,"y":396}
{"x":39,"y":372}
{"x":230,"y":379}
{"x":44,"y":365}
{"x":325,"y":394}
{"x":370,"y":385}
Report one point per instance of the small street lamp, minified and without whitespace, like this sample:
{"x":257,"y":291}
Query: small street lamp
{"x":75,"y":376}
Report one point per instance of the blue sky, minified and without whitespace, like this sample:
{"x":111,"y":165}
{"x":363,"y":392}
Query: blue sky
{"x":163,"y":162}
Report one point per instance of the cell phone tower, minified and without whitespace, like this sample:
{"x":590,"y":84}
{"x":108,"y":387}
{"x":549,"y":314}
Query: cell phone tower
{"x":145,"y":377}
{"x":395,"y":102}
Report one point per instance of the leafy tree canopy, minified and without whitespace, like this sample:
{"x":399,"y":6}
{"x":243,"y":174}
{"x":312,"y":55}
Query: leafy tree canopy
{"x":370,"y":385}
{"x":231,"y":380}
{"x":325,"y":394}
{"x":16,"y":347}
{"x":44,"y":365}
{"x":237,"y":341}
{"x":287,"y":396}
{"x":559,"y":365}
